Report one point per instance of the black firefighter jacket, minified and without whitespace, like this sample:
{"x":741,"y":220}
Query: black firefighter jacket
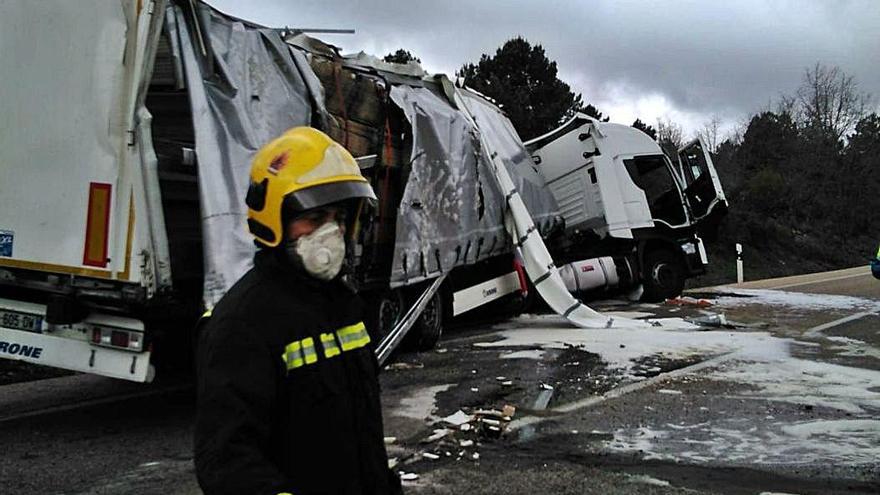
{"x":288,"y":395}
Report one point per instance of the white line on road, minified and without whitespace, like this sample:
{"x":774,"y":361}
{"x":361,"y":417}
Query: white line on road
{"x":814,"y":282}
{"x":817,"y":330}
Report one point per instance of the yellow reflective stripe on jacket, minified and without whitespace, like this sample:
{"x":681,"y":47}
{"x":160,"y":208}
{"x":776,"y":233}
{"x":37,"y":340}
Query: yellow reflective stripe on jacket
{"x":353,"y":336}
{"x":303,"y":352}
{"x":328,"y":342}
{"x":293,"y":355}
{"x":308,"y":347}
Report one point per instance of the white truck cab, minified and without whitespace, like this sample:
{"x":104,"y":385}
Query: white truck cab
{"x":624,"y":200}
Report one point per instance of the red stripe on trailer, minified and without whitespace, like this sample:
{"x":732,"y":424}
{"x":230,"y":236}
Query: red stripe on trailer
{"x":97,"y":225}
{"x":521,"y":274}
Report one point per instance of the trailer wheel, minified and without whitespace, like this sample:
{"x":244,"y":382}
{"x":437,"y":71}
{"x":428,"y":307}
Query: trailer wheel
{"x":663,"y":276}
{"x":384,"y":311}
{"x":428,"y":328}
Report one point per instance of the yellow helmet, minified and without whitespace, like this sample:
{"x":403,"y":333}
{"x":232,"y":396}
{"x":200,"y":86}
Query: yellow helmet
{"x":299,"y":170}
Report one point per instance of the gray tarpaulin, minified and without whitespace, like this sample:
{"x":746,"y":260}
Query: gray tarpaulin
{"x":246,"y":86}
{"x":253,"y":92}
{"x":451,"y":211}
{"x":503,"y":139}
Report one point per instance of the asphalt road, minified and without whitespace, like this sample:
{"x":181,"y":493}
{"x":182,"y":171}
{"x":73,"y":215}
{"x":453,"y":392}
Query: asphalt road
{"x":786,"y":399}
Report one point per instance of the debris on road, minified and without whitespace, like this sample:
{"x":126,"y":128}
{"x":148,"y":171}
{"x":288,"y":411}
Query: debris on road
{"x":408,"y":476}
{"x":429,"y":455}
{"x":437,"y":435}
{"x":390,"y":440}
{"x":544,"y":396}
{"x":714,"y":320}
{"x":404,"y":366}
{"x":459,"y":418}
{"x":689,"y":301}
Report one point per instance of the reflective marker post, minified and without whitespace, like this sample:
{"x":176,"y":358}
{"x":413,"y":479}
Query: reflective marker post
{"x":739,"y":263}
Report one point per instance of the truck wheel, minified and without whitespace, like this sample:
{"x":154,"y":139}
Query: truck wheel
{"x":384,"y":311}
{"x":426,"y":331}
{"x":663,"y":276}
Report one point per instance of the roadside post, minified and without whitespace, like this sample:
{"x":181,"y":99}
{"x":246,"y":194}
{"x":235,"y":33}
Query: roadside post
{"x":739,"y":263}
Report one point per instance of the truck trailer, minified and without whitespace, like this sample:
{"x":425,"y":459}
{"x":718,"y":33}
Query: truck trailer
{"x":128,"y":132}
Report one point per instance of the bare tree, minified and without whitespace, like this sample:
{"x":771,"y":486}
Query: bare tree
{"x":828,"y":100}
{"x":670,"y":136}
{"x":711,"y":133}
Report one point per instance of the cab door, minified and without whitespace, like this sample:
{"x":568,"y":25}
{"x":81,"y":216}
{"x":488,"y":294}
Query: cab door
{"x":702,"y":187}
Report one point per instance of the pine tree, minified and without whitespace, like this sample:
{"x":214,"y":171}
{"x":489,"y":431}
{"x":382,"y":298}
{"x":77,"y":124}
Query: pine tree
{"x":524,"y":82}
{"x":401,"y":56}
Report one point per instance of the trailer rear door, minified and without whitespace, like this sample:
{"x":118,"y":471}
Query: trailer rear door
{"x":65,"y":205}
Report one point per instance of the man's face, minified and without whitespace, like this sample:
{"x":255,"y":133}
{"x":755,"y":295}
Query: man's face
{"x":309,"y":221}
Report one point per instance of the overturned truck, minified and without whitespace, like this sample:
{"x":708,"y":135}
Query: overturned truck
{"x":122,"y":210}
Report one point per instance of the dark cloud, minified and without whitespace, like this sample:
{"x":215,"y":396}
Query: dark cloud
{"x":686,"y":59}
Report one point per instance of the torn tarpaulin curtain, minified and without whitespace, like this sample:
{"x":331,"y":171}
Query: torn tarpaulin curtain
{"x":503,"y":140}
{"x":452,"y":210}
{"x":450,"y":213}
{"x":254,"y":91}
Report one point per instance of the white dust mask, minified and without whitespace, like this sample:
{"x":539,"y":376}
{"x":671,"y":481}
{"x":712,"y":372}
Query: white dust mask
{"x":322,"y":252}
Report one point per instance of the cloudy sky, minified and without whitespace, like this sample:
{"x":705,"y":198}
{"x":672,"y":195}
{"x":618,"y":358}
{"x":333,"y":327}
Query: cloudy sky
{"x":687,"y":61}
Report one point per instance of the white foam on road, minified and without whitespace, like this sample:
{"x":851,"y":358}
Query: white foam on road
{"x":801,"y":381}
{"x":800,"y":300}
{"x":849,"y":347}
{"x":841,"y":442}
{"x":421,"y":404}
{"x":537,"y":354}
{"x":762,"y":362}
{"x":620,"y":348}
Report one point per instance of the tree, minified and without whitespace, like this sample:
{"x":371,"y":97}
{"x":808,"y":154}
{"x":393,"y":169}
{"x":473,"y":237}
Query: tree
{"x":670,"y":136}
{"x":865,"y":140}
{"x":711,"y":133}
{"x":524,"y":82}
{"x":770,"y":142}
{"x":829,"y":102}
{"x":401,"y":56}
{"x":646,"y":128}
{"x":595,"y":113}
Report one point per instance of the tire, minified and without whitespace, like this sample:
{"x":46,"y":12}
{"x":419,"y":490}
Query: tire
{"x":384,"y":310}
{"x":428,"y":328}
{"x":663,"y":276}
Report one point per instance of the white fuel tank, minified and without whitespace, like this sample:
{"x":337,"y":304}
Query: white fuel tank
{"x":590,"y":274}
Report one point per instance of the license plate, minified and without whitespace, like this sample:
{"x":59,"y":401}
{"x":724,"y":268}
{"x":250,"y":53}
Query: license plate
{"x":21,"y":321}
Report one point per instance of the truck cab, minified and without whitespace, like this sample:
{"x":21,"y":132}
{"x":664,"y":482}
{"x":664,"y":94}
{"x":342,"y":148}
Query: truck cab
{"x":623,"y":198}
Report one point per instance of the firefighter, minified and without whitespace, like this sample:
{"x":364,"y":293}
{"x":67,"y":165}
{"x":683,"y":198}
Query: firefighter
{"x":288,"y":395}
